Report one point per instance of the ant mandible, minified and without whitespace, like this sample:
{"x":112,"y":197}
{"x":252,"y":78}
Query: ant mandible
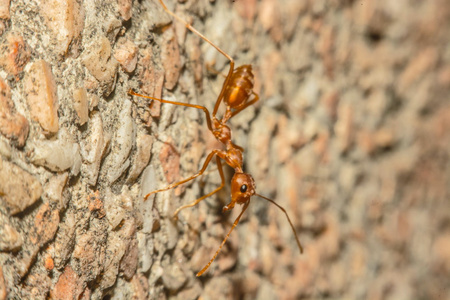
{"x":237,"y":94}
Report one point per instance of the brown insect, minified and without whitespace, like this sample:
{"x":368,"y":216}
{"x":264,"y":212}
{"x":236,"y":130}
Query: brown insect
{"x":237,"y":94}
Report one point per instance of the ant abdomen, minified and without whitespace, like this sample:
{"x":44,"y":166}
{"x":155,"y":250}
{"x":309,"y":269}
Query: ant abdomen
{"x":240,"y":87}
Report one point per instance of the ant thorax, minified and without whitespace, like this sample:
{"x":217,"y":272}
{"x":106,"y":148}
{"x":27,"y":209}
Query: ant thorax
{"x":234,"y":158}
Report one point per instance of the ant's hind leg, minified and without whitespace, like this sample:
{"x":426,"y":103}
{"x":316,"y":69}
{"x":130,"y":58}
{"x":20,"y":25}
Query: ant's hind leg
{"x":230,"y":71}
{"x":194,"y":203}
{"x":205,"y":110}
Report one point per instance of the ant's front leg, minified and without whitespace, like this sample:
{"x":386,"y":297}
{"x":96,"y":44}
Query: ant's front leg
{"x":226,"y":238}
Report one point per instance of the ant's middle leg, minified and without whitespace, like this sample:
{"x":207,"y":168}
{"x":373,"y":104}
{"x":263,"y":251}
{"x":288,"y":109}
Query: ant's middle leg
{"x":219,"y":166}
{"x":202,"y":170}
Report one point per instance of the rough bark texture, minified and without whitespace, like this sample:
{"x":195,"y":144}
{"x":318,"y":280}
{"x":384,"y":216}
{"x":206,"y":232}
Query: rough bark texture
{"x":351,"y":136}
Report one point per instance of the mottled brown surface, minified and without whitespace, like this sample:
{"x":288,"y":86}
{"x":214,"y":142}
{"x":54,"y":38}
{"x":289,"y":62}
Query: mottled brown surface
{"x":12,"y":125}
{"x":351,"y":136}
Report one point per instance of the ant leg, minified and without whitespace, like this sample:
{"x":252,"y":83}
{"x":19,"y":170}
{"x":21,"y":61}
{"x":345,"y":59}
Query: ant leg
{"x":226,"y":238}
{"x":208,"y":117}
{"x":254,"y":100}
{"x":189,"y":26}
{"x":205,"y":165}
{"x":230,"y":72}
{"x":219,"y":166}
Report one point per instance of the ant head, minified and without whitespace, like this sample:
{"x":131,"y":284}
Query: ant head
{"x":242,"y":187}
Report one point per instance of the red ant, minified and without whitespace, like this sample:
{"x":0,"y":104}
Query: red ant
{"x":237,"y":94}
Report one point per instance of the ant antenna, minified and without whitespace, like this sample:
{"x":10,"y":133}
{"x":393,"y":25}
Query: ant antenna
{"x":287,"y":216}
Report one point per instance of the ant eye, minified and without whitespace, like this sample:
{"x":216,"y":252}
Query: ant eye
{"x":243,"y":188}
